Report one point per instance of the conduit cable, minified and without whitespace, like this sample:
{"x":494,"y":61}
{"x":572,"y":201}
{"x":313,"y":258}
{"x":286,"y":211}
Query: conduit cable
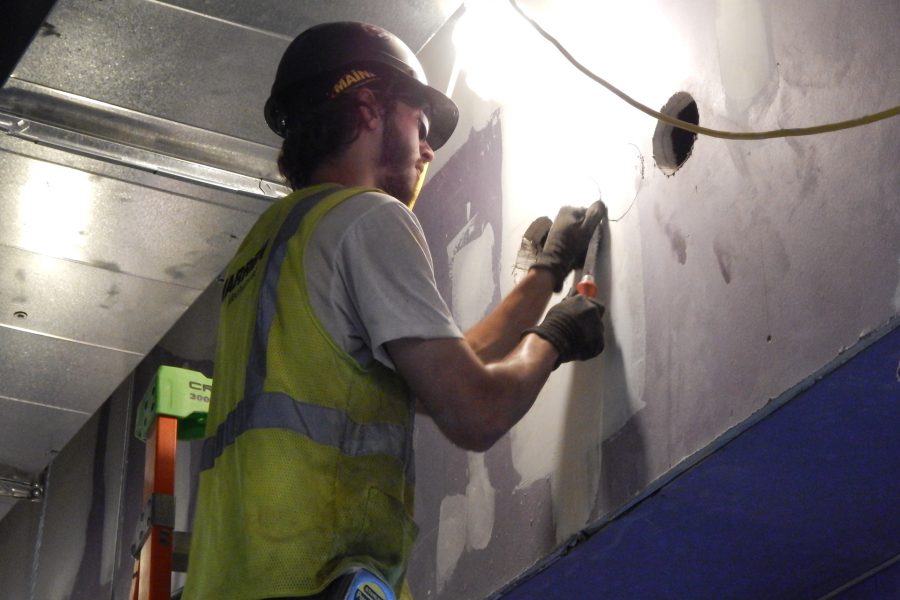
{"x":728,"y":135}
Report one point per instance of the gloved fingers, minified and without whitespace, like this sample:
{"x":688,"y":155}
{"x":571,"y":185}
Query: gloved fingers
{"x":592,"y":341}
{"x":569,"y":214}
{"x":591,"y":218}
{"x":537,"y":231}
{"x":595,"y":214}
{"x":597,"y":305}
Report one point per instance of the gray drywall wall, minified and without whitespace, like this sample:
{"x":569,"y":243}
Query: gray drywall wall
{"x":79,"y":534}
{"x":18,"y":533}
{"x":727,"y":284}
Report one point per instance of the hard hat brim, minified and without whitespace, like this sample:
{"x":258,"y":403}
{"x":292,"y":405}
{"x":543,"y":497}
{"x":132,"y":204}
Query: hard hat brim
{"x":444,"y":117}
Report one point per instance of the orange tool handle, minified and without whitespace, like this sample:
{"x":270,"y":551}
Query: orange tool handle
{"x":587,"y":286}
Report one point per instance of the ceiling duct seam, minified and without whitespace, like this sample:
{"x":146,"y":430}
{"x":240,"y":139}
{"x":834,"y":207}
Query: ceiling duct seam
{"x":73,"y":341}
{"x":139,"y":158}
{"x":74,"y":411}
{"x":124,"y":136}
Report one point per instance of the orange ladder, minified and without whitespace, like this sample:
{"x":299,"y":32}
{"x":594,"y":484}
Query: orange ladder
{"x":173,"y":408}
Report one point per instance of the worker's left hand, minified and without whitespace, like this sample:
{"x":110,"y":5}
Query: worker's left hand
{"x":574,"y":327}
{"x":567,"y":240}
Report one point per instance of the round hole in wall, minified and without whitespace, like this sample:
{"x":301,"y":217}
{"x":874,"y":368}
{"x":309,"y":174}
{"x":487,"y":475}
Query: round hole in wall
{"x":672,"y":146}
{"x":20,"y":314}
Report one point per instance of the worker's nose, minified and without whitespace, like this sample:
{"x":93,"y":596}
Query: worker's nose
{"x":426,"y":152}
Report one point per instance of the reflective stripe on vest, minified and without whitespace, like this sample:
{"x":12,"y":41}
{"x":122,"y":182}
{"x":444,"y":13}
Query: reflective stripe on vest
{"x":322,"y":424}
{"x":258,"y":409}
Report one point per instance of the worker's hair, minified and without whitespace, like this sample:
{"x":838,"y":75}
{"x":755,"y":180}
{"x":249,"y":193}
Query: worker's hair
{"x":316,"y":135}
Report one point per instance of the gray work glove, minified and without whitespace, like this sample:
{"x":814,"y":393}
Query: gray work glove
{"x":566,"y":239}
{"x":574,"y":327}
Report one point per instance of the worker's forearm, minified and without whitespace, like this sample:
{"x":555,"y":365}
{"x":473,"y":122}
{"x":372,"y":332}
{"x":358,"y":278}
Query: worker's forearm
{"x":514,"y":385}
{"x":472,"y":403}
{"x":498,"y":333}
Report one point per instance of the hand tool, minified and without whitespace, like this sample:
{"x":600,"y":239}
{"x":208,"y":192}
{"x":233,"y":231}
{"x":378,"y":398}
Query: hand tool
{"x":362,"y":584}
{"x":588,"y":285}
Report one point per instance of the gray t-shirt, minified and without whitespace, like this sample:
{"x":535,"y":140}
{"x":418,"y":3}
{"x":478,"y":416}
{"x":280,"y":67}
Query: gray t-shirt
{"x":371,"y":279}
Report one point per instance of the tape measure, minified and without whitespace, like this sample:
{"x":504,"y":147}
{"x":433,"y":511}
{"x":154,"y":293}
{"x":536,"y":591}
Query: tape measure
{"x":362,"y":584}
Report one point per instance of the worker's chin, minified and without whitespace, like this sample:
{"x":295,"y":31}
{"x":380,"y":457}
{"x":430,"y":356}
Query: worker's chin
{"x":404,"y":189}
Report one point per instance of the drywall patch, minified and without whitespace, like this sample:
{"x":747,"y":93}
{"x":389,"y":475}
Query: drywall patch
{"x":469,"y":252}
{"x":466,"y":521}
{"x":480,"y":505}
{"x":451,"y":537}
{"x":746,"y":62}
{"x":462,"y":206}
{"x":460,"y":210}
{"x":584,"y":403}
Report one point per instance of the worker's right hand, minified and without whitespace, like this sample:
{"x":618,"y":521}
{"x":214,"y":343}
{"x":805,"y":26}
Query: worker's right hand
{"x":574,"y":327}
{"x":567,"y":240}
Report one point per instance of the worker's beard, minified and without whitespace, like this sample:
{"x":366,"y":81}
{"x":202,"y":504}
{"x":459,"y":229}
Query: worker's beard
{"x":396,"y":161}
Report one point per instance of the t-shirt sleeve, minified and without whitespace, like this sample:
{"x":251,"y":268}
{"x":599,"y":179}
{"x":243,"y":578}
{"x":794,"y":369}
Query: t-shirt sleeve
{"x":386,"y":268}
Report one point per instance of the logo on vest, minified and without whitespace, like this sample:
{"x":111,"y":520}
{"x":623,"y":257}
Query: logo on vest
{"x":238,"y":277}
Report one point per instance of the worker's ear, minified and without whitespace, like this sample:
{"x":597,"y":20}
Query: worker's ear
{"x":369,"y":109}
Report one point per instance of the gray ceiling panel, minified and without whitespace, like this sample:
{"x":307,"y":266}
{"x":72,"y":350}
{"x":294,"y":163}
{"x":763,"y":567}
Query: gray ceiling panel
{"x":67,"y":213}
{"x":159,"y":60}
{"x":412,"y":20}
{"x":61,"y":373}
{"x":30,"y":433}
{"x":85,"y":303}
{"x":213,"y":71}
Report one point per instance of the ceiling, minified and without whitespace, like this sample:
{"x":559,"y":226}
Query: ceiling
{"x":134,"y":159}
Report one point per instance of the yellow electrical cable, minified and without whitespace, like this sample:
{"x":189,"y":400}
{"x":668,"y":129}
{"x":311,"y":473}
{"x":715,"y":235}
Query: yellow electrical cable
{"x":728,"y":135}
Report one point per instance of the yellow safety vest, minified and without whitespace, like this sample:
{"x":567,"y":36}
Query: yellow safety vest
{"x":307,"y":467}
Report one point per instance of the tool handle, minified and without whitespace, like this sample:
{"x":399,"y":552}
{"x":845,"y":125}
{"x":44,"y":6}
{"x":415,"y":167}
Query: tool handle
{"x":587,"y":286}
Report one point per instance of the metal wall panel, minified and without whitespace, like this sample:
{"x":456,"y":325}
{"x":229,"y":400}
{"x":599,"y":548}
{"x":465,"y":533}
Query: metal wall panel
{"x":18,"y":535}
{"x":57,"y":372}
{"x":31,"y":433}
{"x":82,"y":531}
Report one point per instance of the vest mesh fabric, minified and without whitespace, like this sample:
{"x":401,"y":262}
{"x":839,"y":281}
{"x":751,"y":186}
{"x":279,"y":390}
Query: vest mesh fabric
{"x":309,"y":454}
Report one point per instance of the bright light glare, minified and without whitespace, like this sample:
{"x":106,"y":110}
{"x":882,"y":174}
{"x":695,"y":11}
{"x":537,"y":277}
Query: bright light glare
{"x":497,"y":49}
{"x":448,"y":7}
{"x":54,"y":210}
{"x":565,"y":136}
{"x":629,"y":44}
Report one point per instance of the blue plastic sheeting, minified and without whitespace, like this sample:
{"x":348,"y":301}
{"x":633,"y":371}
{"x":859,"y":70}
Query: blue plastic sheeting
{"x":798,"y":506}
{"x":884,"y":584}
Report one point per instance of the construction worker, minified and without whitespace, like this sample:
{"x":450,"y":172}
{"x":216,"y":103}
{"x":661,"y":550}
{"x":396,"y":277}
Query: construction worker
{"x":332,"y":332}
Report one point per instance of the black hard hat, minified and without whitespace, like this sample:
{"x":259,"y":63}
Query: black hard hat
{"x":327,"y":59}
